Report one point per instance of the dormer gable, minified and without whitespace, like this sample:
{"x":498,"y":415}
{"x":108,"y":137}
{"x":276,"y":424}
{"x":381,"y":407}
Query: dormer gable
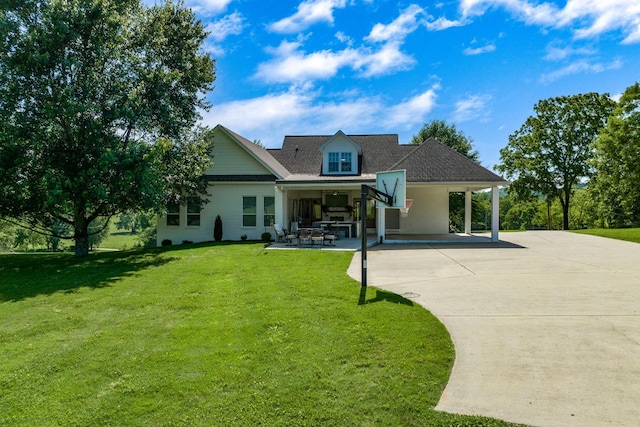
{"x":340,"y":155}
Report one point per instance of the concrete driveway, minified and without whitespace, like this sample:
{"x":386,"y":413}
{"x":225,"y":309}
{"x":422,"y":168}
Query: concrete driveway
{"x":546,"y":324}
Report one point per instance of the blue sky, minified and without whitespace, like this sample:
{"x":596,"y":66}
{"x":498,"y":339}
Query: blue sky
{"x":378,"y":66}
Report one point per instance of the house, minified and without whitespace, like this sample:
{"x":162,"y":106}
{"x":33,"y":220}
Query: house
{"x":316,"y":179}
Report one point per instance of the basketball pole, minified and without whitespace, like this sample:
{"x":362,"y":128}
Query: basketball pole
{"x":364,"y":192}
{"x":387,"y":199}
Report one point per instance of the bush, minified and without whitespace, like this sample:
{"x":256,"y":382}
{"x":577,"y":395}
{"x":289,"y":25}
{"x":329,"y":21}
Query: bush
{"x":243,"y":237}
{"x":167,"y":242}
{"x":266,"y":236}
{"x":217,"y":229}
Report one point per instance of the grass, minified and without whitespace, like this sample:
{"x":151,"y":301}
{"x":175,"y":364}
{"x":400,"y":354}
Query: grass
{"x":628,"y":234}
{"x":118,"y":239}
{"x":215,"y":334}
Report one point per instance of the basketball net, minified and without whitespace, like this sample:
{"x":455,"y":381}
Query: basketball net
{"x":404,"y":212}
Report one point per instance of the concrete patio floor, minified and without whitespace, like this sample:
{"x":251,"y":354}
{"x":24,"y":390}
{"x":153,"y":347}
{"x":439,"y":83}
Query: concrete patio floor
{"x":355,"y":244}
{"x":546,"y":324}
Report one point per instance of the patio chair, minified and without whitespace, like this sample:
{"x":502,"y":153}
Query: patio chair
{"x":316,"y":236}
{"x":280,"y":234}
{"x":329,"y":238}
{"x":304,"y":236}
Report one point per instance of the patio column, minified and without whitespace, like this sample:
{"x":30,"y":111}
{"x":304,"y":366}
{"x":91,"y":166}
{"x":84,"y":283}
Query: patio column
{"x":279,"y":215}
{"x":467,"y":212}
{"x":495,"y":213}
{"x":380,"y":226}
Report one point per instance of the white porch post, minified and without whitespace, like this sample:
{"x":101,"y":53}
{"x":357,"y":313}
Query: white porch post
{"x":467,"y":212}
{"x":495,"y":213}
{"x":279,"y":215}
{"x":380,"y":227}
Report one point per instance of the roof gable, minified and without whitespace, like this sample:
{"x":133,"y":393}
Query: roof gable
{"x":256,"y":155}
{"x":340,"y":139}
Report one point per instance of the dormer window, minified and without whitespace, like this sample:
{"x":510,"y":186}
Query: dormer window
{"x":340,"y":155}
{"x":339,"y":162}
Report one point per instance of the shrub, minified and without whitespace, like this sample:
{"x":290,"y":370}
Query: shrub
{"x":266,"y":236}
{"x":217,"y":229}
{"x":243,"y":237}
{"x":167,"y":242}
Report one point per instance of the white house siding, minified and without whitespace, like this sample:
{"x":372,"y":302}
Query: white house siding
{"x":226,"y":201}
{"x":231,"y":159}
{"x":430,"y":211}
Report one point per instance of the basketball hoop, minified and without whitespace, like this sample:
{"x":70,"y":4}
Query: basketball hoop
{"x":404,"y":212}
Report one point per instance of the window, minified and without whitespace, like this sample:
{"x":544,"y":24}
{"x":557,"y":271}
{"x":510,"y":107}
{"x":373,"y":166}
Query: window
{"x":269,"y":210}
{"x":345,"y":162}
{"x":193,"y":211}
{"x":334,"y":162}
{"x":340,"y":162}
{"x":249,"y":211}
{"x":173,"y":214}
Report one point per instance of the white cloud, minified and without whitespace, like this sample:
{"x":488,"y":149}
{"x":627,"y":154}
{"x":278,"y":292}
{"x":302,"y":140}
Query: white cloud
{"x":389,"y":58}
{"x":579,"y":67}
{"x":398,"y":29}
{"x":604,"y":16}
{"x":471,"y":108}
{"x":412,"y":111}
{"x":470,"y":51}
{"x":559,"y":53}
{"x":290,"y":64}
{"x":587,"y":18}
{"x":219,"y":30}
{"x":309,"y":12}
{"x":443,"y":23}
{"x":300,"y":111}
{"x":232,"y":24}
{"x":207,"y":7}
{"x":540,"y":14}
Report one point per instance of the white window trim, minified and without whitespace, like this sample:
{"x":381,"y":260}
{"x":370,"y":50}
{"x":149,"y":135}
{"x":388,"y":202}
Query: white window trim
{"x":187,"y":214}
{"x":242,"y":214}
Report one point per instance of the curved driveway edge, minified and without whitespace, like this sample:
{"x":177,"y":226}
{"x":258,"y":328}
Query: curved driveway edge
{"x":546,"y":324}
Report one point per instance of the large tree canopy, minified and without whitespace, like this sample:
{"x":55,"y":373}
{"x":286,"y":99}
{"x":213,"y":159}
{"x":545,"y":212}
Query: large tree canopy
{"x":447,"y":134}
{"x":617,"y":162}
{"x":98,"y":103}
{"x":550,"y":153}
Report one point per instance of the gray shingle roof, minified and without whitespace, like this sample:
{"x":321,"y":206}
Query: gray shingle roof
{"x":428,"y":162}
{"x":433,"y":161}
{"x":302,"y":155}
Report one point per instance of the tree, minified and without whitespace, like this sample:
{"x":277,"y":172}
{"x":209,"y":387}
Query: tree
{"x":98,"y":102}
{"x":550,"y":153}
{"x":617,"y":181}
{"x":449,"y":135}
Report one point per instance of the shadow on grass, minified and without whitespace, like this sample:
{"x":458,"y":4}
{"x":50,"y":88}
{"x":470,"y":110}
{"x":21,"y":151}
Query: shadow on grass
{"x":383,"y":296}
{"x":30,"y":275}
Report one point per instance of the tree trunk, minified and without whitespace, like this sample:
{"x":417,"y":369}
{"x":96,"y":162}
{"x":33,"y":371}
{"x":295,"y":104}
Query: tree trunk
{"x":565,"y":211}
{"x":548,"y":214}
{"x":81,"y":236}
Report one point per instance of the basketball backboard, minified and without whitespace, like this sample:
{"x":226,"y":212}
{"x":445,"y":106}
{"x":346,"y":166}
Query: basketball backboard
{"x":393,"y":183}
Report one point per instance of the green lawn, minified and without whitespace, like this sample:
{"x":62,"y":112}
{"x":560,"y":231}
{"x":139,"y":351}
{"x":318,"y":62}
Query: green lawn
{"x":216,"y":334}
{"x":118,"y":239}
{"x":628,"y":234}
